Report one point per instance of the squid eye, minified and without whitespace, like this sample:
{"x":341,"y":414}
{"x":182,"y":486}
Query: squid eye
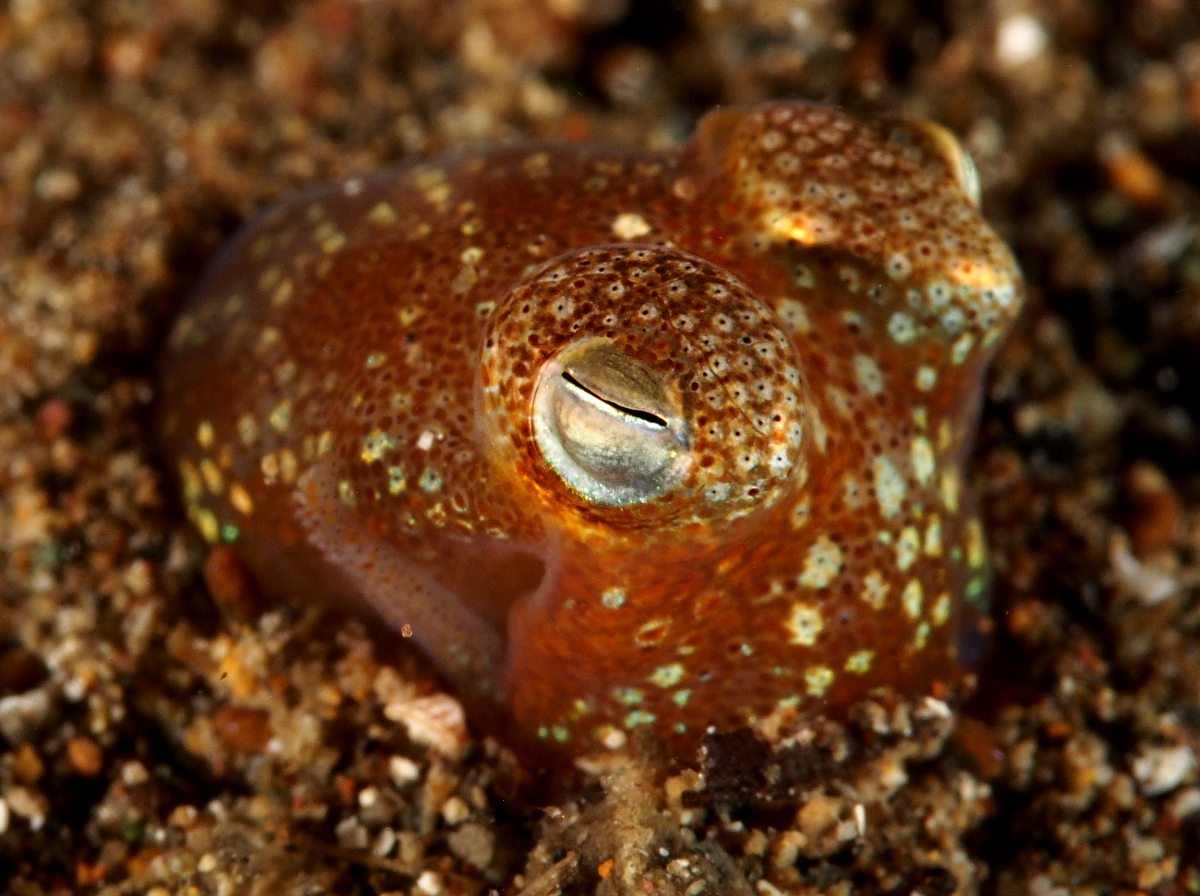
{"x":612,"y":427}
{"x":962,"y":166}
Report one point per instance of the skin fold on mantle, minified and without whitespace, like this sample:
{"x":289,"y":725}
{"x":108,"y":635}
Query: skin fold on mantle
{"x":628,"y":439}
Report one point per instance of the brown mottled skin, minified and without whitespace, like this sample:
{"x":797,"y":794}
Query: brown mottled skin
{"x":348,"y":398}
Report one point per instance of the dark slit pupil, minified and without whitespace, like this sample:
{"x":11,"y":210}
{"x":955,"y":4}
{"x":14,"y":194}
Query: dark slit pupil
{"x":652,"y":419}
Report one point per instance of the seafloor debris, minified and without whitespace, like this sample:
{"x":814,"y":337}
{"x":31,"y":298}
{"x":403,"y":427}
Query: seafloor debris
{"x":135,"y":137}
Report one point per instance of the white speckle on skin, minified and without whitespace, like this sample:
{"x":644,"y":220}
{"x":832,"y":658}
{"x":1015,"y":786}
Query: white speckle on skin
{"x":869,"y":376}
{"x":822,"y":565}
{"x":962,"y":348}
{"x":800,"y":513}
{"x":667,"y":676}
{"x":922,"y":459}
{"x":911,"y":599}
{"x":898,"y":266}
{"x":901,"y":327}
{"x":950,"y":490}
{"x":889,"y":487}
{"x":804,"y":624}
{"x":907,"y":547}
{"x":976,"y":551}
{"x":933,"y":537}
{"x":794,"y":315}
{"x":926,"y":378}
{"x":941,"y":609}
{"x":875,"y":589}
{"x":613,"y":598}
{"x":817,"y":680}
{"x":860,"y":662}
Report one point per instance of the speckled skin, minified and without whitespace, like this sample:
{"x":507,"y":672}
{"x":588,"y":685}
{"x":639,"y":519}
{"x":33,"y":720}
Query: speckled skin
{"x":348,"y":400}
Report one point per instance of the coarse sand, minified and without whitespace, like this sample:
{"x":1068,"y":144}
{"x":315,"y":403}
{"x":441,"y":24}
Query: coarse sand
{"x":162,"y":731}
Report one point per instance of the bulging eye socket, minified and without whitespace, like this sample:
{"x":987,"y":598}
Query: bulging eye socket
{"x":962,"y":166}
{"x":610,"y":426}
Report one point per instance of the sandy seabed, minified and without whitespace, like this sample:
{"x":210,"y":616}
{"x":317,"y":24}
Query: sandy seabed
{"x":160,"y":734}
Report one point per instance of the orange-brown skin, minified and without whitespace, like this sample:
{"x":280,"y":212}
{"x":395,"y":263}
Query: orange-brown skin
{"x":348,"y":400}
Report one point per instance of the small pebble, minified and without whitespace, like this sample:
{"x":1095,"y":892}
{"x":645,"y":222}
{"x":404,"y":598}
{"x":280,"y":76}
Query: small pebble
{"x":27,"y":765}
{"x":134,"y":773}
{"x":20,"y":671}
{"x":1160,"y":770}
{"x":85,"y":756}
{"x":1157,"y":516}
{"x":28,"y":804}
{"x":437,"y":721}
{"x":1019,"y":39}
{"x":54,"y":417}
{"x":403,"y":770}
{"x":243,"y":728}
{"x":1132,"y":173}
{"x":474,"y":843}
{"x":455,"y":811}
{"x":429,"y":883}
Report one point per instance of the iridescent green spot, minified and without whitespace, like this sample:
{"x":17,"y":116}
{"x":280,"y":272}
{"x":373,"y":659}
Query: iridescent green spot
{"x":962,"y":348}
{"x":789,"y":702}
{"x":281,"y":416}
{"x":582,"y":707}
{"x":639,"y":717}
{"x":376,"y":445}
{"x":376,"y":359}
{"x":974,"y":589}
{"x":860,"y":662}
{"x":346,"y":493}
{"x":543,"y":732}
{"x":613,"y":598}
{"x":746,"y":650}
{"x":922,"y":636}
{"x":430,"y":480}
{"x":561,"y":734}
{"x":396,"y":481}
{"x":680,"y":698}
{"x":818,"y":679}
{"x":667,"y":676}
{"x":680,"y":728}
{"x":230,"y":533}
{"x":628,"y":696}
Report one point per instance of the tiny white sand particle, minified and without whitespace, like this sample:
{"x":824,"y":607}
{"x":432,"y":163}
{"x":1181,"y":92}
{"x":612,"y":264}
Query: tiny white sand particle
{"x":429,"y":883}
{"x":1162,"y":769}
{"x":437,"y":721}
{"x":403,"y":770}
{"x":614,"y":739}
{"x":1019,"y":39}
{"x":629,"y":226}
{"x":932,"y":708}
